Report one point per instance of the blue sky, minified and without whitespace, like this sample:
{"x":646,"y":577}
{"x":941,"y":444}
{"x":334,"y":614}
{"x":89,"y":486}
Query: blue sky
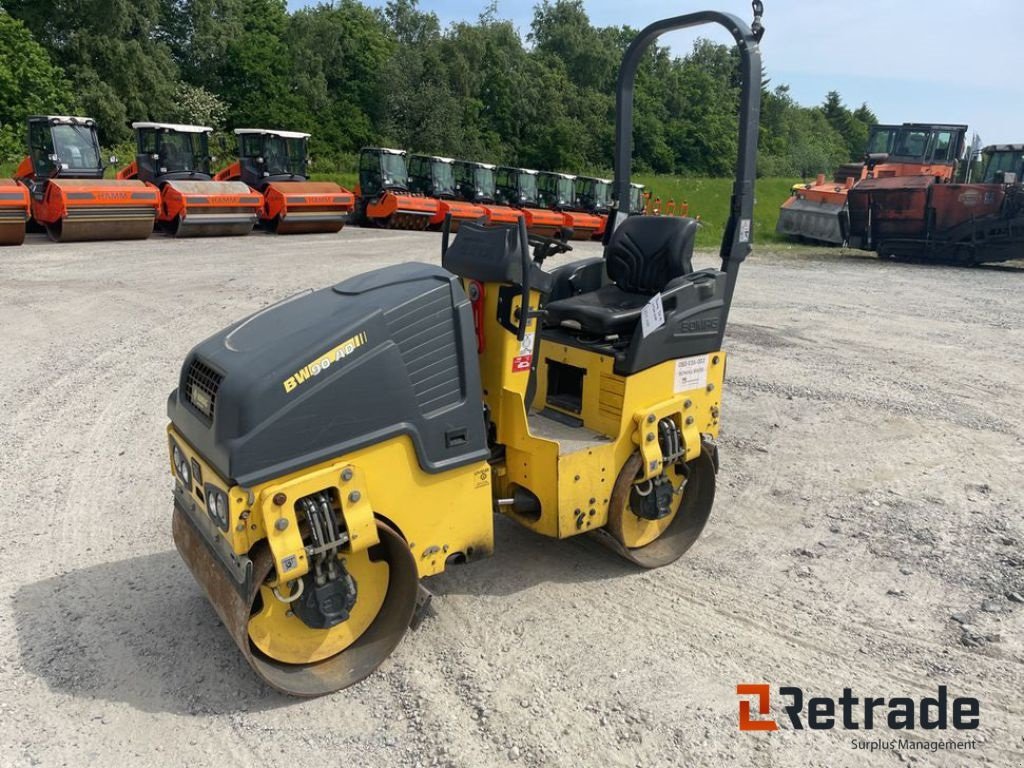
{"x":911,"y":60}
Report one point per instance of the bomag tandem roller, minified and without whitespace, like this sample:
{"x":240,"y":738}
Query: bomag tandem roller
{"x":474,"y":183}
{"x":383,"y":197}
{"x":433,"y":176}
{"x":70,"y":197}
{"x":517,"y":187}
{"x":14,"y":211}
{"x":276,"y":165}
{"x":333,"y":449}
{"x":176,"y":160}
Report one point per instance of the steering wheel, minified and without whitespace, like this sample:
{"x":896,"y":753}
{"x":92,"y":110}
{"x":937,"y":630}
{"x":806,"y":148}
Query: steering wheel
{"x":546,"y":247}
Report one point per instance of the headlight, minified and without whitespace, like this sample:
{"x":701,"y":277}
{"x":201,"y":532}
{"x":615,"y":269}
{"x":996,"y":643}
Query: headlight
{"x":181,"y":467}
{"x":217,"y":506}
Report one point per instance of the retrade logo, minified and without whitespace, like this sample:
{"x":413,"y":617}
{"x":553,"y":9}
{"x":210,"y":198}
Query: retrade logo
{"x":851,"y":713}
{"x":763,"y":694}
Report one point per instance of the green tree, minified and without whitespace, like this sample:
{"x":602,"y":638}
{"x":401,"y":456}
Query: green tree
{"x":339,"y":57}
{"x":114,"y":54}
{"x":30,"y":84}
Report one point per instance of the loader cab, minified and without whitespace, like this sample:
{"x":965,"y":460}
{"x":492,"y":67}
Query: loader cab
{"x":517,"y":187}
{"x":556,"y":190}
{"x":1004,"y":164}
{"x":593,"y":195}
{"x":266,"y":156}
{"x":924,"y":144}
{"x":474,"y":182}
{"x":63,"y":146}
{"x":168,"y":152}
{"x":881,"y":139}
{"x":432,"y":176}
{"x":381,"y":170}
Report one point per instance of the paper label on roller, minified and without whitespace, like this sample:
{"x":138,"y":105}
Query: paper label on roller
{"x":652,"y":316}
{"x":691,"y":373}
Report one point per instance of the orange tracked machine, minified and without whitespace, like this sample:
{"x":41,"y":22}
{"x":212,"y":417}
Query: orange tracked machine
{"x":434,"y":176}
{"x":594,"y":196}
{"x":819,"y":211}
{"x":70,"y":198}
{"x":474,"y":183}
{"x":175,"y":159}
{"x":557,"y":191}
{"x":275,"y":164}
{"x":384,"y":197}
{"x":517,"y":187}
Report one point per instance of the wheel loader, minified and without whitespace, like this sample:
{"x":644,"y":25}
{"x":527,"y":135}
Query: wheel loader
{"x":384,"y":198}
{"x":276,"y":165}
{"x":14,"y":212}
{"x":819,"y":211}
{"x":332,"y":450}
{"x":518,"y":188}
{"x":175,"y":159}
{"x":70,"y":198}
{"x":924,"y":218}
{"x":557,"y":191}
{"x":474,"y":183}
{"x":433,"y":176}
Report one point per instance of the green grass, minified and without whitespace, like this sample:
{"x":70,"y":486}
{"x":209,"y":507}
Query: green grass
{"x":709,"y":199}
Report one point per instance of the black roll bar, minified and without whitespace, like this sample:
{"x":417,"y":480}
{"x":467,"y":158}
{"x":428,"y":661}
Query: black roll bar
{"x":739,"y":231}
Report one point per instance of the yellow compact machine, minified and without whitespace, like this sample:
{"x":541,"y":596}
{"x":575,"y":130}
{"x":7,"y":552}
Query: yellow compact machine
{"x":334,"y":449}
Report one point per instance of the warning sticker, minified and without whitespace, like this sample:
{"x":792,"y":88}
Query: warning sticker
{"x":524,"y":360}
{"x":691,"y":373}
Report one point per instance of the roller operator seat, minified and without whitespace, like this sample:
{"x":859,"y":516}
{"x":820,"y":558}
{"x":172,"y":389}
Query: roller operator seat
{"x":644,"y":255}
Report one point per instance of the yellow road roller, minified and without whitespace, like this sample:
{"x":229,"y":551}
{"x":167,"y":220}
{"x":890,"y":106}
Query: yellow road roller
{"x":332,"y":450}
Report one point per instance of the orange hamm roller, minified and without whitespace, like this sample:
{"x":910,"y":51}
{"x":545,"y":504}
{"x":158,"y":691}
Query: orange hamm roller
{"x":70,"y":198}
{"x":14,"y":208}
{"x":175,"y":159}
{"x":275,"y":164}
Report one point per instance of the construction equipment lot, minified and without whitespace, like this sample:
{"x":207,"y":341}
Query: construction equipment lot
{"x":868,"y":534}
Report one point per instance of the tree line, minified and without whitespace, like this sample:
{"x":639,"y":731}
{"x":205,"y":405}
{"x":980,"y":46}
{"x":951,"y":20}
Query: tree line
{"x":352,"y":75}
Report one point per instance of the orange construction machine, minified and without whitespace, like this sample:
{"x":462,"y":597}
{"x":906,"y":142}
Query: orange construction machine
{"x":383,"y":197}
{"x":594,"y":196}
{"x":557,"y":191}
{"x":14,"y":208}
{"x":176,"y":160}
{"x":923,"y":218}
{"x":474,"y":183}
{"x":70,"y":197}
{"x":434,"y":176}
{"x":275,"y":164}
{"x":517,"y":187}
{"x":819,"y":211}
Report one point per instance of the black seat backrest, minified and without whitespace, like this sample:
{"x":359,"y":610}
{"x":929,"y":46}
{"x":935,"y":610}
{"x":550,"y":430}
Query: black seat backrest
{"x":645,"y":253}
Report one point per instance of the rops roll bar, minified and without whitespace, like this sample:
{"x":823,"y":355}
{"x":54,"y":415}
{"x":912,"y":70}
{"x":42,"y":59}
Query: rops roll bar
{"x":736,"y":242}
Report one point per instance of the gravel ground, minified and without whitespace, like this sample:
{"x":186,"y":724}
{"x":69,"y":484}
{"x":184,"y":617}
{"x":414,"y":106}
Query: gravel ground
{"x":867,"y":534}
